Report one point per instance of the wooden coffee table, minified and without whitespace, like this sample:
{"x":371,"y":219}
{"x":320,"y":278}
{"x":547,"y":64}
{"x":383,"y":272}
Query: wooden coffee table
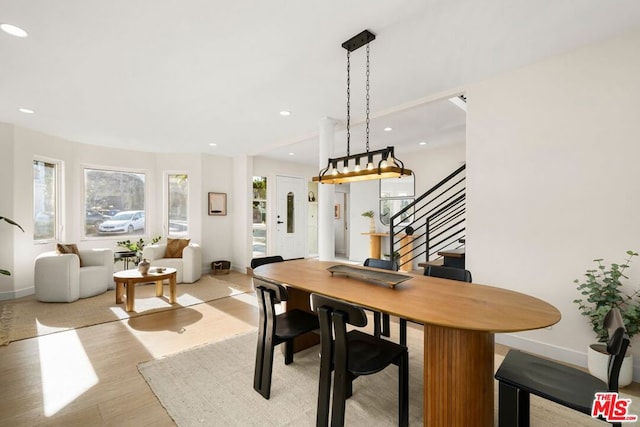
{"x":129,"y":278}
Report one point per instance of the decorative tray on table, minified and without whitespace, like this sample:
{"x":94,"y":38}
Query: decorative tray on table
{"x":389,"y":278}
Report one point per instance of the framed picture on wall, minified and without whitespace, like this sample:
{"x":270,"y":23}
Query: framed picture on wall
{"x":217,"y":203}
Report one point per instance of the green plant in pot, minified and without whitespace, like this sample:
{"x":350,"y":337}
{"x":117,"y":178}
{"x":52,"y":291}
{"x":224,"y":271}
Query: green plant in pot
{"x":138,"y":246}
{"x":15,"y":224}
{"x":372,"y":221}
{"x":602,"y":289}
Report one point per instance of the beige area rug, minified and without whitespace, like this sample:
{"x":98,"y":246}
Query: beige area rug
{"x":213,"y":385}
{"x":29,"y":318}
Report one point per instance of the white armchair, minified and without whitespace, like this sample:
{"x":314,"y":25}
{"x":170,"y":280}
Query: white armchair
{"x":59,"y":277}
{"x":189,"y":267}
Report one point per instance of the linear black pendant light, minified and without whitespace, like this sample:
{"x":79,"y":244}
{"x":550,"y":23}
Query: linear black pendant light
{"x":388,"y":165}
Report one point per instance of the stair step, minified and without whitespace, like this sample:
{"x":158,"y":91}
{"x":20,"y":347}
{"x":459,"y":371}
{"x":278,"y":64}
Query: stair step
{"x":453,"y":253}
{"x":437,"y":262}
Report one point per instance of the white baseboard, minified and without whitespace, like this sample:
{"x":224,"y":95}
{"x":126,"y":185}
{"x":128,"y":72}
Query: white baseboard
{"x":16,"y":294}
{"x":562,"y":354}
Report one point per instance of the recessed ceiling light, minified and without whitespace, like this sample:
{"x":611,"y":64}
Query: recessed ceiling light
{"x":26,"y":110}
{"x":292,"y":154}
{"x":422,"y":143}
{"x":285,"y":113}
{"x":213,"y":144}
{"x":388,"y":129}
{"x":13,"y":30}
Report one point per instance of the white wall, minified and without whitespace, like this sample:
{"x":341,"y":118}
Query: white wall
{"x":7,"y":232}
{"x":553,"y":180}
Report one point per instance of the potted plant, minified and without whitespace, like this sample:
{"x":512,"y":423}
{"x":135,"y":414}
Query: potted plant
{"x":12,"y":222}
{"x":137,"y":247}
{"x":602,"y":289}
{"x":372,"y":223}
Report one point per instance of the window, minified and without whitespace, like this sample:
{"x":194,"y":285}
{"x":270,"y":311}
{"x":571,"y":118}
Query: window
{"x":45,"y":200}
{"x":291,"y":217}
{"x":178,"y":202}
{"x":259,"y":216}
{"x":114,"y":202}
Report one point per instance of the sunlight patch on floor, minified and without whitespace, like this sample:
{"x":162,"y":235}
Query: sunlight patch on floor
{"x":179,"y":327}
{"x":65,"y":369}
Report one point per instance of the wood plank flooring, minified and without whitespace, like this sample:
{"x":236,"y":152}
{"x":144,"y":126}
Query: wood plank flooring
{"x":89,"y":377}
{"x":101,"y":386}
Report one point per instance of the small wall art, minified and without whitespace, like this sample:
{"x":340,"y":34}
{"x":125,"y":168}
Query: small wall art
{"x":217,"y":203}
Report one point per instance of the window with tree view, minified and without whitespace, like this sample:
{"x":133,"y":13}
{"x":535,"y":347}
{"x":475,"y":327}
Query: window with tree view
{"x":177,"y":201}
{"x":45,"y":200}
{"x":259,"y":216}
{"x":114,"y":202}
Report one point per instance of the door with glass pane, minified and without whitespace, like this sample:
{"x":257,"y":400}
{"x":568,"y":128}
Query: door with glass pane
{"x":291,"y":223}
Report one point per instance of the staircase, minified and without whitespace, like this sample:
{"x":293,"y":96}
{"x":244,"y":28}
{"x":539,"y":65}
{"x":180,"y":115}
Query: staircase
{"x":434,"y":232}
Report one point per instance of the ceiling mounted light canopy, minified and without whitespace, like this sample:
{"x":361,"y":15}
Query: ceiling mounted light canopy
{"x":341,"y":169}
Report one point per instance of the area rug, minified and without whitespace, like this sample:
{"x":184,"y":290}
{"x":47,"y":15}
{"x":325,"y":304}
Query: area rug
{"x":29,"y":318}
{"x":213,"y":385}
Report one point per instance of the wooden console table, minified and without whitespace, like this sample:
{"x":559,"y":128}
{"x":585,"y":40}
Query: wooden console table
{"x":375,"y":248}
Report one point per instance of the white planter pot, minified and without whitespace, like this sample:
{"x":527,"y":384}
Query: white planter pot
{"x":598,"y":363}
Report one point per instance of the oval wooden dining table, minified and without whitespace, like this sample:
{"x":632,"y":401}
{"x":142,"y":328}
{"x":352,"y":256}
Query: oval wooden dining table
{"x":460,"y":320}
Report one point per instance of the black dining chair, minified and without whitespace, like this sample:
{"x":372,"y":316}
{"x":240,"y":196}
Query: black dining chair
{"x":275,"y":329}
{"x":381,"y":327}
{"x":350,"y":355}
{"x":522,"y":374}
{"x":257,"y":262}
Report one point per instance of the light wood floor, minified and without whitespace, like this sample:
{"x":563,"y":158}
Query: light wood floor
{"x":89,"y":377}
{"x":105,"y":388}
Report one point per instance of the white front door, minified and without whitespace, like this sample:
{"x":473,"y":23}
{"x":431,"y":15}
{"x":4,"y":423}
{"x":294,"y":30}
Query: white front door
{"x":291,"y":225}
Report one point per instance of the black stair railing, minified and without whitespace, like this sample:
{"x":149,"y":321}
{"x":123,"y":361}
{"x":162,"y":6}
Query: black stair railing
{"x":435,"y":221}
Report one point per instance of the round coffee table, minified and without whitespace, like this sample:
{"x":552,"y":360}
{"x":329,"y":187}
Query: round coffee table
{"x":129,"y":278}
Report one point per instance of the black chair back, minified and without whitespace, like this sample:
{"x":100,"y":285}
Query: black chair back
{"x":382,"y":326}
{"x":381,"y":263}
{"x":279,"y":293}
{"x":352,"y":314}
{"x":257,"y":262}
{"x":616,"y":346}
{"x":275,"y":329}
{"x":458,"y":274}
{"x":351,"y":354}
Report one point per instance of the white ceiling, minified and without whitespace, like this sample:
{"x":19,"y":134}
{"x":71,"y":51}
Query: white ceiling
{"x":174,"y":76}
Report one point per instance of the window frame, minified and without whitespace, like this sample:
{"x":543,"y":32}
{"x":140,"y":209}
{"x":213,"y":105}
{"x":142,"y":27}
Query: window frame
{"x":166,"y":204}
{"x":83,"y":203}
{"x":58,"y":225}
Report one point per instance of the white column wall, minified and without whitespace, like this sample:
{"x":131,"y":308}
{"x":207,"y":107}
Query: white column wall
{"x":241,"y":203}
{"x":326,"y":193}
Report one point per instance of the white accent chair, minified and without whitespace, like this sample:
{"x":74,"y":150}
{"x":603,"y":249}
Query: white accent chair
{"x":189,"y":267}
{"x":59,"y":277}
